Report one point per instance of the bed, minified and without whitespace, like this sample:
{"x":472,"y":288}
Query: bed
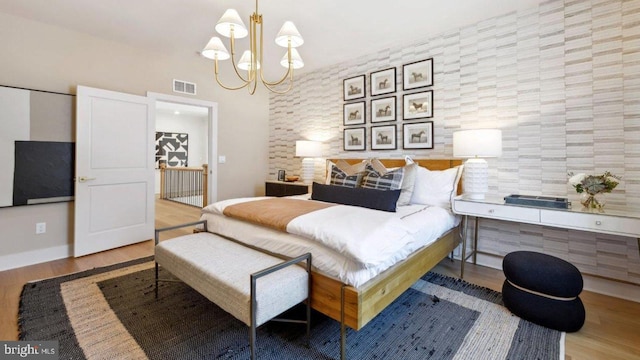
{"x":352,"y":305}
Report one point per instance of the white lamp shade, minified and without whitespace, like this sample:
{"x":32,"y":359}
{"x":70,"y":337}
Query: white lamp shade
{"x":231,"y":20}
{"x":287,"y":32}
{"x":308,"y":149}
{"x":295,"y":59}
{"x":481,"y":143}
{"x":214,"y":49}
{"x":245,"y":61}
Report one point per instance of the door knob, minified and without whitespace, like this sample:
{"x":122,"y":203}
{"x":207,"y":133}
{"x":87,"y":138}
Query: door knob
{"x":85,"y":179}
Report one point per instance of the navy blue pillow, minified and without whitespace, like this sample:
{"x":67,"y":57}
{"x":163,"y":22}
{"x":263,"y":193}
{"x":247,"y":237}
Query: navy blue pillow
{"x":384,"y":200}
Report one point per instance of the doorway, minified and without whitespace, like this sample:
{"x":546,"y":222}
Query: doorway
{"x":188,"y":128}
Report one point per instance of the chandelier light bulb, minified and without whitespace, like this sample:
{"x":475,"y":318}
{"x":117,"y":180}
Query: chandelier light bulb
{"x":287,"y":32}
{"x":215,"y":48}
{"x":296,"y":59}
{"x":245,"y":61}
{"x":231,"y":20}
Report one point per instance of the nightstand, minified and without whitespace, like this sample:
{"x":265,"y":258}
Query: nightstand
{"x":281,"y":188}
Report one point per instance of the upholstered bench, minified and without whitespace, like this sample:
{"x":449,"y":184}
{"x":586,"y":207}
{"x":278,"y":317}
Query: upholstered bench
{"x":544,"y":290}
{"x":252,"y":286}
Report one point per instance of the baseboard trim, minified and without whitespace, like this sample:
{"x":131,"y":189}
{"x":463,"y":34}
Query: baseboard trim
{"x":594,"y":284}
{"x":13,"y":261}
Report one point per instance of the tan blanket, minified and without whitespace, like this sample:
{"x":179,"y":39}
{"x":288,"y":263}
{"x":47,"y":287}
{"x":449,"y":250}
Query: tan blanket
{"x":275,"y":213}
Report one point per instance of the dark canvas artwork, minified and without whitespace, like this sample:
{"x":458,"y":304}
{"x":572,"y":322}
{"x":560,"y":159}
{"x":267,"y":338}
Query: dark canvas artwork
{"x":172,"y":149}
{"x":43,"y":172}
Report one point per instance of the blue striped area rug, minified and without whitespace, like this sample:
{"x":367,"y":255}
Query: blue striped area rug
{"x":112,"y":313}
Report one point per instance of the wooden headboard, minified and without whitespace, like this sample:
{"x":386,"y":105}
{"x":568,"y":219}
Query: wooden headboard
{"x":431,"y":164}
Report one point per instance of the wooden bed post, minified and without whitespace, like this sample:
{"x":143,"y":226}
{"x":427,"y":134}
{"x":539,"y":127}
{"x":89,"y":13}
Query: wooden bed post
{"x":343,"y":329}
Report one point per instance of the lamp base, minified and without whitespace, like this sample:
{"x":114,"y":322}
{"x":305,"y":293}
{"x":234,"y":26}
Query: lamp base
{"x":307,"y":170}
{"x":476,"y":178}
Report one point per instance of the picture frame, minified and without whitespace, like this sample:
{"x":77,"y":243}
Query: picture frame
{"x":383,"y":137}
{"x":417,"y":105}
{"x":417,"y":74}
{"x":417,"y":135}
{"x":354,"y":88}
{"x":382,"y":82}
{"x":354,"y":113}
{"x":355,"y":139}
{"x":281,"y":175}
{"x":383,"y":110}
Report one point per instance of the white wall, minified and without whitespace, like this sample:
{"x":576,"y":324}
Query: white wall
{"x":44,"y":57}
{"x":196,"y":127}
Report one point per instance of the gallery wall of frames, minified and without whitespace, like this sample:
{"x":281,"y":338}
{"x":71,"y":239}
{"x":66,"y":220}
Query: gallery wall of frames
{"x":381,"y":102}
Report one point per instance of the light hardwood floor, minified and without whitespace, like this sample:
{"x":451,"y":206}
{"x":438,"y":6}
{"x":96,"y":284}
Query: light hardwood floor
{"x":611,"y":331}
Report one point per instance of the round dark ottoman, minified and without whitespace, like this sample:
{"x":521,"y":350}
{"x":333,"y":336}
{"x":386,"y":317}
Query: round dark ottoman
{"x":544,"y":290}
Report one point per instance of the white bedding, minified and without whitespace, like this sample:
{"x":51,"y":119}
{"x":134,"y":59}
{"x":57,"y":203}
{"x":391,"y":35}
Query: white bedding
{"x":329,"y":235}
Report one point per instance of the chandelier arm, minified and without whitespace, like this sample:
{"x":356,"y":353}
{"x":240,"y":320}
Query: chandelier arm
{"x":252,"y":87}
{"x":272,"y":89}
{"x":233,"y":62}
{"x":224,"y":86}
{"x":268,"y":84}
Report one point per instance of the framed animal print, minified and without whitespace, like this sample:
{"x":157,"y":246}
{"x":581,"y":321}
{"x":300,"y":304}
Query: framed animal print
{"x":383,"y":137}
{"x":355,"y":139}
{"x":354,"y":113}
{"x":417,"y":74}
{"x":354,"y":88}
{"x":418,"y":135}
{"x":418,"y":105}
{"x":383,"y":109}
{"x":383,"y":82}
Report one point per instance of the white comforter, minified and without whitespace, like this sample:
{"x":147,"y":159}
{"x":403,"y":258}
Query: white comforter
{"x":365,"y":236}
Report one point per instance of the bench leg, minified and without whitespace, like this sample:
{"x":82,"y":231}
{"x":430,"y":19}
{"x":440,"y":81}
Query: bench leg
{"x":252,"y":313}
{"x":252,"y":340}
{"x":156,"y":289}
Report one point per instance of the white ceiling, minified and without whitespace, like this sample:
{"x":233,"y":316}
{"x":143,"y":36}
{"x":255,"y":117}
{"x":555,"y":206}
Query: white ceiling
{"x":334,"y":30}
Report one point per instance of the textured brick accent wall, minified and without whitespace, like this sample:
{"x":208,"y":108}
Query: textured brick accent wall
{"x":562,"y":81}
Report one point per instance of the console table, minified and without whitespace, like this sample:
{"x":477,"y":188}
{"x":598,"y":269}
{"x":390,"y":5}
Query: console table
{"x":610,"y":221}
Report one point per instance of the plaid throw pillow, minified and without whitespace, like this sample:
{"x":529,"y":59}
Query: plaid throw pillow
{"x":340,"y":178}
{"x":391,"y":180}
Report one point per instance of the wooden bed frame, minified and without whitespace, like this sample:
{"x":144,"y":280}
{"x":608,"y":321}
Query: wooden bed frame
{"x":363,"y":304}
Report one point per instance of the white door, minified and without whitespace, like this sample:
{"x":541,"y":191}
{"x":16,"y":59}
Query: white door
{"x":114,"y":192}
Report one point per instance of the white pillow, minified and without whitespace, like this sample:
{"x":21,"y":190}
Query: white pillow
{"x":436,"y":187}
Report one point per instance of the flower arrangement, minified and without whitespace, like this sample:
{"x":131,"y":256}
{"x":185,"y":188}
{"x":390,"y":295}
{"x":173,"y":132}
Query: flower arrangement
{"x":592,"y":185}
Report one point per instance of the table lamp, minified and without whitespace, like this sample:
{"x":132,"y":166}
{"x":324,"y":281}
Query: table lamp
{"x":476,"y":145}
{"x":308,"y":150}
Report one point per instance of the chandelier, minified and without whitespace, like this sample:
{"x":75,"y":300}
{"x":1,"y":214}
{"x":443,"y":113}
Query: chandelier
{"x":230,"y":25}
